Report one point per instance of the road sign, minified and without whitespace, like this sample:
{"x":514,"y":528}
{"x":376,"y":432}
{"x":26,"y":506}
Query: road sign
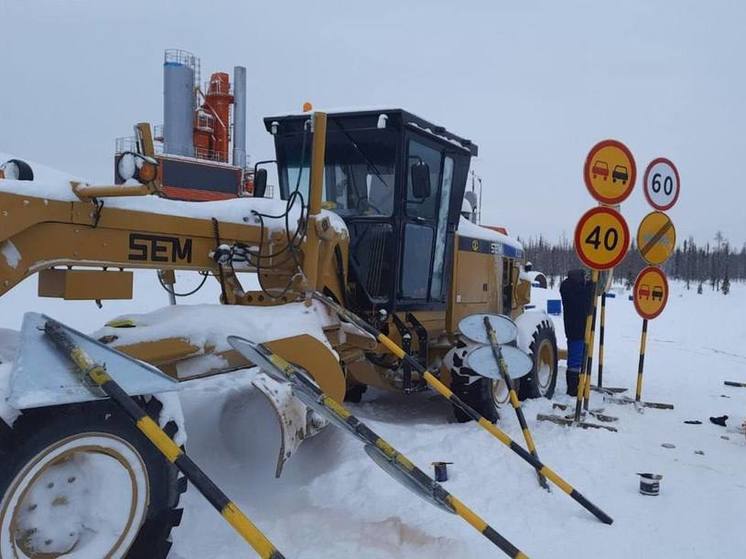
{"x":601,"y":238}
{"x":656,"y":238}
{"x":610,"y":172}
{"x":650,"y":294}
{"x":661,"y":184}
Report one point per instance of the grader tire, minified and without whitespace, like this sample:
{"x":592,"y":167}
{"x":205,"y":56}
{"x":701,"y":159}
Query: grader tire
{"x":55,"y":458}
{"x":21,"y":170}
{"x":542,"y":380}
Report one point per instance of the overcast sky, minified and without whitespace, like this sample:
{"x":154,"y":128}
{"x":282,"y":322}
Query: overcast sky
{"x":535,"y":84}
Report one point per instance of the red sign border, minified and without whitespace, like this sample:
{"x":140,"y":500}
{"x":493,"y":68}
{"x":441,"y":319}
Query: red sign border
{"x":645,"y":183}
{"x":587,"y":172}
{"x":585,"y":217}
{"x":645,"y":270}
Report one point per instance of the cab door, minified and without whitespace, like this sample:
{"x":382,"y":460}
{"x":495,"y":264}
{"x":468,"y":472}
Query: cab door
{"x":425,"y":228}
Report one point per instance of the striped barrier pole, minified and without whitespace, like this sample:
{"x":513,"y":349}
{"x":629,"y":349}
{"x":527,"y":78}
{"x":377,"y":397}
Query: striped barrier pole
{"x":310,"y":394}
{"x":483,"y":422}
{"x":601,"y":333}
{"x":641,"y":363}
{"x":589,"y":360}
{"x":585,"y":373}
{"x":514,"y":401}
{"x":97,"y":374}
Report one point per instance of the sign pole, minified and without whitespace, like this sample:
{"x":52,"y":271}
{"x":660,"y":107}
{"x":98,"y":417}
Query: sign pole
{"x":589,"y":356}
{"x":641,"y":364}
{"x":601,"y":328}
{"x":588,"y":325}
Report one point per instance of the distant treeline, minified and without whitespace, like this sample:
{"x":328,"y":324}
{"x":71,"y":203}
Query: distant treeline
{"x":714,"y":264}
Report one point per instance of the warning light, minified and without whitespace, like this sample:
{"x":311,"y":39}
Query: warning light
{"x":307,"y":107}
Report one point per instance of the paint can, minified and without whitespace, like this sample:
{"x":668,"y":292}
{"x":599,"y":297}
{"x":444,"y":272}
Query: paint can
{"x":650,"y":484}
{"x":441,"y":470}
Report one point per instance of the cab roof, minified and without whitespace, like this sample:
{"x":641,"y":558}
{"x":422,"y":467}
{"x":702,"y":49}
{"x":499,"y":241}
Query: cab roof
{"x":368,"y":118}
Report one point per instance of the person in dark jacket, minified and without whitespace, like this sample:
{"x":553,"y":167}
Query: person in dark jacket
{"x":576,"y":300}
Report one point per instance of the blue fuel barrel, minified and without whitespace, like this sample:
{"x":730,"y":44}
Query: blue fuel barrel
{"x":554,"y":306}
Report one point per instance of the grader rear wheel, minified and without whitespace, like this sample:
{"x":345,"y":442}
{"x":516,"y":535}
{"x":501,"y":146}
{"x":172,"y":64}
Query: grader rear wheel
{"x":542,"y":380}
{"x":82,"y":481}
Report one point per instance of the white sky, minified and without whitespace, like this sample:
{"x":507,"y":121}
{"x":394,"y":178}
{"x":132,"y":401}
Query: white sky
{"x":534,"y":84}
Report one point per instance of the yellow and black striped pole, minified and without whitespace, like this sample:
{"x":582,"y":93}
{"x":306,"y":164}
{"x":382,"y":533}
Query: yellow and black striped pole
{"x":584,"y":373}
{"x":601,"y":334}
{"x":483,"y":422}
{"x":97,"y":374}
{"x":641,"y":363}
{"x":514,"y":401}
{"x":589,"y":358}
{"x":311,"y":395}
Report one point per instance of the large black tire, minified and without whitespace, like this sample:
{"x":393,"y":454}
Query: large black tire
{"x":478,"y":393}
{"x":542,"y":380}
{"x":22,"y":171}
{"x":38,"y":432}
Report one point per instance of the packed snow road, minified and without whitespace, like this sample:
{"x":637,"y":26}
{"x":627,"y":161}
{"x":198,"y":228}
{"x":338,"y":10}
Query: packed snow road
{"x":332,"y":501}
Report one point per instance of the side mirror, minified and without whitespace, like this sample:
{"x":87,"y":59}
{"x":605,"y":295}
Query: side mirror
{"x":260,"y":183}
{"x":420,"y":181}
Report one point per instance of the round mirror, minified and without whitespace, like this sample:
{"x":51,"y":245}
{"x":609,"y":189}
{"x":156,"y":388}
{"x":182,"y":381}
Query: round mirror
{"x":472,"y":327}
{"x":483,"y":362}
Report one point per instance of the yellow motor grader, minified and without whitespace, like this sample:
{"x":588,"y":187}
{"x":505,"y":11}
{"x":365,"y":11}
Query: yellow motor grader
{"x":369,"y":213}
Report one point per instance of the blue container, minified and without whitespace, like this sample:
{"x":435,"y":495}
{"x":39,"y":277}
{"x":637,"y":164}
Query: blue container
{"x":554,"y":306}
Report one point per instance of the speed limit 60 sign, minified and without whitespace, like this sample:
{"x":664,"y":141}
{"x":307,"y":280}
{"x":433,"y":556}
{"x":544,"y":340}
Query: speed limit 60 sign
{"x":661,"y":184}
{"x":601,"y":238}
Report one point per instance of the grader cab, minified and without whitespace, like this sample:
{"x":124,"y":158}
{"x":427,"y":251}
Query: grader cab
{"x":368,"y":215}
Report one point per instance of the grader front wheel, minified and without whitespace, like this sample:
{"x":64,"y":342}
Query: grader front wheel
{"x":82,"y":481}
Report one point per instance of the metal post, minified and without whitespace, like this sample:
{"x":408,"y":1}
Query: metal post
{"x":588,"y":325}
{"x":602,"y":327}
{"x":589,"y":358}
{"x":641,"y":364}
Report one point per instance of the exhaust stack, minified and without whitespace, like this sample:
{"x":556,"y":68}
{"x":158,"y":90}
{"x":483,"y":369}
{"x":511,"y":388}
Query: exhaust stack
{"x":239,"y":116}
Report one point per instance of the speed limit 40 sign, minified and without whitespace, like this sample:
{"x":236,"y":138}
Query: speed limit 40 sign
{"x":661,"y":184}
{"x":601,"y":238}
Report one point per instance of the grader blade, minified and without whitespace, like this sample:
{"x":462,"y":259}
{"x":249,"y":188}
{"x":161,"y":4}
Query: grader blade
{"x":296,"y":422}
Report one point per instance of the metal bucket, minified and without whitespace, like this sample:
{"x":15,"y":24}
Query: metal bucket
{"x":650,"y":484}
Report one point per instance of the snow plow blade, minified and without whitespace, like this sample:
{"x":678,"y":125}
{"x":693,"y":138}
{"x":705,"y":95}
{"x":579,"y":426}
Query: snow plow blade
{"x":42,"y":375}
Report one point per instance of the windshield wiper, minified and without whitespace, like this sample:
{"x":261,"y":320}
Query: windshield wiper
{"x":370,"y":164}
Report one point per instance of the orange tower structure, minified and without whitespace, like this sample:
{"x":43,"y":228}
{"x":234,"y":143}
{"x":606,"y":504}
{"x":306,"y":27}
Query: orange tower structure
{"x":212,"y":120}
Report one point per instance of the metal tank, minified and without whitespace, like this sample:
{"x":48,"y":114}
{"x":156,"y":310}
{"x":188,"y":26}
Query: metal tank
{"x":179,"y":68}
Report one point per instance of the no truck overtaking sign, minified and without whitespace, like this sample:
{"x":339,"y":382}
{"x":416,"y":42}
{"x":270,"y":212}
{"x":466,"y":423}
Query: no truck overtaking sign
{"x":661,"y":184}
{"x":656,"y":238}
{"x":650,"y":292}
{"x":601,"y":238}
{"x":610,"y":172}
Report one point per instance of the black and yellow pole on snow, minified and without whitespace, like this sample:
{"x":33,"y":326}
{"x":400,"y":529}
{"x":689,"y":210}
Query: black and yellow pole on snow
{"x":483,"y":422}
{"x":589,"y":358}
{"x":601,"y":334}
{"x":370,"y":437}
{"x":584,"y":372}
{"x":97,"y":374}
{"x":641,"y":363}
{"x":512,"y":396}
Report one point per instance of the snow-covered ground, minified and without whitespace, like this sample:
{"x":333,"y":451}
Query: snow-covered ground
{"x":334,"y":502}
